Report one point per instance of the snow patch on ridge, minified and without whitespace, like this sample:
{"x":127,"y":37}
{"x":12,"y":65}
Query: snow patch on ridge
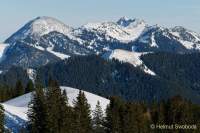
{"x":187,"y":38}
{"x":153,"y":41}
{"x":3,"y":48}
{"x":31,"y":74}
{"x":58,"y":54}
{"x":129,"y":57}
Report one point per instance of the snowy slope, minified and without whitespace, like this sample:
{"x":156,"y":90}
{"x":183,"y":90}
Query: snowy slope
{"x":32,"y":33}
{"x":19,"y":106}
{"x":58,"y":54}
{"x":31,"y":74}
{"x":44,"y":40}
{"x":3,"y":48}
{"x":189,"y":39}
{"x":39,"y":27}
{"x":129,"y":57}
{"x":124,"y":30}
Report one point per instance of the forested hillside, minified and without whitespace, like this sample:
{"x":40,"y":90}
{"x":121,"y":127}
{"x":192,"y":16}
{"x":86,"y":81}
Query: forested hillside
{"x":107,"y":78}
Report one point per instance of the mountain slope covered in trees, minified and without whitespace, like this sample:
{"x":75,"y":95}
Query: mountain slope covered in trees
{"x":111,"y":77}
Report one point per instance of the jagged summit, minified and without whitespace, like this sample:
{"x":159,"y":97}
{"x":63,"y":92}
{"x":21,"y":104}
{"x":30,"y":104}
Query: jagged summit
{"x":46,"y":39}
{"x":125,"y":21}
{"x":124,"y":30}
{"x":178,"y":29}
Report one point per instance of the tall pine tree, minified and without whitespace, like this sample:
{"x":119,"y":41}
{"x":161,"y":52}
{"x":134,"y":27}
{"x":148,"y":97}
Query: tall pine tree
{"x":98,"y":119}
{"x":29,"y":87}
{"x":19,"y":88}
{"x":112,"y":121}
{"x":37,"y":112}
{"x":58,"y":109}
{"x":83,"y":123}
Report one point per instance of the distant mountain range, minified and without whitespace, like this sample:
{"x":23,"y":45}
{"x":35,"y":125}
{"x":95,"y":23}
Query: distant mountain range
{"x":127,"y":58}
{"x":42,"y":45}
{"x":45,"y":39}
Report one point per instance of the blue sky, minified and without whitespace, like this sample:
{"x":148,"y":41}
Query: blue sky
{"x":15,"y":13}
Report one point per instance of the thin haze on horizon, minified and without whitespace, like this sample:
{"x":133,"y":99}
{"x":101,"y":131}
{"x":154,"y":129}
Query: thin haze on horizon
{"x":15,"y":13}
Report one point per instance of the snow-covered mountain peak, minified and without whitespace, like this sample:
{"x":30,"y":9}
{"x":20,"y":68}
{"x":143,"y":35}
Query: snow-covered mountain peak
{"x":124,"y":30}
{"x":186,"y":35}
{"x":183,"y":30}
{"x":44,"y":25}
{"x":178,"y":29}
{"x":39,"y":27}
{"x":126,"y":22}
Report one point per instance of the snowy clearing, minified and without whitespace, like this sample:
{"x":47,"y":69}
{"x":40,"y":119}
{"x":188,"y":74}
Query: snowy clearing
{"x":129,"y":57}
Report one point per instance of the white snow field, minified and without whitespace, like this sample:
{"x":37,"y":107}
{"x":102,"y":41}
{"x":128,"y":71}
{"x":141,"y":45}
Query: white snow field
{"x":125,"y":34}
{"x":129,"y":57}
{"x":58,"y":54}
{"x":3,"y":48}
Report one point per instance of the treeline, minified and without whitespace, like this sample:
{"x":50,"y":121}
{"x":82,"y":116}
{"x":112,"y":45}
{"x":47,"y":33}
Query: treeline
{"x":7,"y":92}
{"x":183,"y":69}
{"x":49,"y":112}
{"x":107,"y":78}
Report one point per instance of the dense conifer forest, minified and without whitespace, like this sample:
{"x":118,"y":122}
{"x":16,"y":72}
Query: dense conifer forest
{"x":107,"y":78}
{"x":49,"y":112}
{"x":137,"y":100}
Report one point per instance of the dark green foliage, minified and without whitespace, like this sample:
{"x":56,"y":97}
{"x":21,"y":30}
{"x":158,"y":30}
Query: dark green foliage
{"x":6,"y":93}
{"x":83,"y":123}
{"x":58,"y":110}
{"x":19,"y":88}
{"x":14,"y":74}
{"x":182,"y":69}
{"x":12,"y":83}
{"x":107,"y":78}
{"x":1,"y":119}
{"x":176,"y":74}
{"x":66,"y":115}
{"x":37,"y":113}
{"x":176,"y":111}
{"x":49,"y":111}
{"x":133,"y":117}
{"x":114,"y":121}
{"x":122,"y":117}
{"x":29,"y":87}
{"x":98,"y":119}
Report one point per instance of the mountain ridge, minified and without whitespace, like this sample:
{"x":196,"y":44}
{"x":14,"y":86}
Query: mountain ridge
{"x":48,"y":40}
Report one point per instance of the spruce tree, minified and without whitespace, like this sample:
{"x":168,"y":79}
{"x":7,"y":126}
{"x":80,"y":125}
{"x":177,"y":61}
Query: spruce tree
{"x":82,"y":112}
{"x":66,"y":114}
{"x":98,"y":119}
{"x":58,"y":109}
{"x":37,"y":112}
{"x":29,"y":87}
{"x":19,"y":88}
{"x":1,"y":119}
{"x":130,"y":125}
{"x":112,"y":121}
